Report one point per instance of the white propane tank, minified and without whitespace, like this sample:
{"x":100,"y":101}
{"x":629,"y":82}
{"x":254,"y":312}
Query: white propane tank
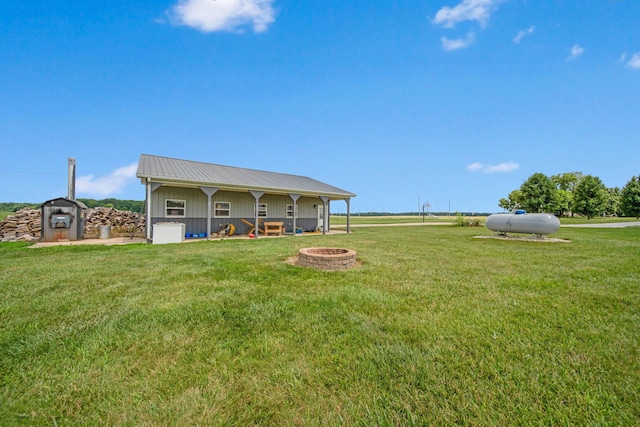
{"x":539,"y":223}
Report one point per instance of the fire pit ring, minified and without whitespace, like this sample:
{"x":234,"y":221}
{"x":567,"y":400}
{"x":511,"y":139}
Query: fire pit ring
{"x":327,"y":258}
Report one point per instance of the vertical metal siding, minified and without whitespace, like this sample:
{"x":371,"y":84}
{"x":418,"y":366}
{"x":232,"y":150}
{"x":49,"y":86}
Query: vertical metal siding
{"x":242,"y":206}
{"x":195,"y":198}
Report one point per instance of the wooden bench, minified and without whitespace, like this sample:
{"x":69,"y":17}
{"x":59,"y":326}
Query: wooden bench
{"x":273,"y":228}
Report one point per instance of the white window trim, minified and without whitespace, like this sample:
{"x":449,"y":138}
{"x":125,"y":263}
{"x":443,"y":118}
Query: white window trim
{"x":167,"y":208}
{"x":215,"y":215}
{"x":260,"y":211}
{"x":289,"y":210}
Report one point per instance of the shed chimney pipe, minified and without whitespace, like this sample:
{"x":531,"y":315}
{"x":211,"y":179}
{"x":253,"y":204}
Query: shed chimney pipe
{"x":72,"y":179}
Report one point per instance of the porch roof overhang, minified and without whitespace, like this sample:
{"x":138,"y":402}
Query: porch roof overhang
{"x":190,"y":174}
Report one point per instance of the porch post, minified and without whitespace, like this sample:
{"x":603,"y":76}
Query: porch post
{"x":256,"y":194}
{"x":147,"y":211}
{"x":325,"y":214}
{"x":295,"y":198}
{"x":348,"y":215}
{"x":151,"y":187}
{"x":209,"y":191}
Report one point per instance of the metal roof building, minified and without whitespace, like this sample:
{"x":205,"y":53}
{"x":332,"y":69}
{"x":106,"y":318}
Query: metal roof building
{"x":186,"y":172}
{"x":156,"y":172}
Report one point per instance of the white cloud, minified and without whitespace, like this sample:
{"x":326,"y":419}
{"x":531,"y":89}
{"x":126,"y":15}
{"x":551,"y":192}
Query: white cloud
{"x":518,"y":38}
{"x":474,"y":166}
{"x":223,"y":15}
{"x":106,"y":185}
{"x":455,"y":44}
{"x":576,"y":51}
{"x":502,"y":167}
{"x":467,"y":10}
{"x":634,"y":62}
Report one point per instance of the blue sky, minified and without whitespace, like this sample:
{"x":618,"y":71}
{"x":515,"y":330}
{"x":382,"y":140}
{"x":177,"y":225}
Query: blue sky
{"x":456,"y":102}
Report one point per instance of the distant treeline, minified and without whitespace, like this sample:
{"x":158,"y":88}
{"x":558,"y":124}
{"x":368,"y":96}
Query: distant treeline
{"x":414,"y":214}
{"x":15,"y":207}
{"x":122,"y":205}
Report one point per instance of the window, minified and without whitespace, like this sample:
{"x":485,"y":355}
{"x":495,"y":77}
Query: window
{"x":290,"y":211}
{"x":175,"y":208}
{"x":262,"y":210}
{"x":221,"y":209}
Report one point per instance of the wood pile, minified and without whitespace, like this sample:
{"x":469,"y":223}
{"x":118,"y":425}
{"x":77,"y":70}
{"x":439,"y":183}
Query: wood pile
{"x":121,"y":222}
{"x":25,"y":224}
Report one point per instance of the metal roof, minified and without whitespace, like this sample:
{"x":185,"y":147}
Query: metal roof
{"x":187,"y":172}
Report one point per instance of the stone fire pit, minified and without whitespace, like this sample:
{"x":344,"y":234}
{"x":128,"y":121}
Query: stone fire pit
{"x":327,"y":258}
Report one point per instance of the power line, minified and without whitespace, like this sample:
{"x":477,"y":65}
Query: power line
{"x":32,"y":173}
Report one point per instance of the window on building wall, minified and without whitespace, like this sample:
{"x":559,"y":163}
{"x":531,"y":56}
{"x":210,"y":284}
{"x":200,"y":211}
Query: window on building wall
{"x":175,"y":208}
{"x":221,"y":209}
{"x":290,"y":211}
{"x":262,"y":210}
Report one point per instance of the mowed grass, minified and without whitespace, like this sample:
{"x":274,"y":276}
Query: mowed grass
{"x":434,"y":327}
{"x":341,"y":221}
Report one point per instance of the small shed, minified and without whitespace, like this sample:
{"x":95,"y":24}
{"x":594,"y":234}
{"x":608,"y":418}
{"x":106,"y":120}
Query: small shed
{"x":62,"y":219}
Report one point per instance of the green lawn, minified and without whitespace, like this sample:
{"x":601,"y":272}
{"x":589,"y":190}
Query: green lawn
{"x":433,"y":328}
{"x":340,"y":221}
{"x":388,"y":219}
{"x":596,"y":220}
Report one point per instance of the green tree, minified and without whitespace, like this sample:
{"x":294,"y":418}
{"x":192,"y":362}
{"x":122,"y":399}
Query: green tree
{"x":630,"y":198}
{"x":614,"y":196}
{"x":590,"y":197}
{"x":564,"y":202}
{"x":512,"y":202}
{"x":538,"y":194}
{"x":90,"y":203}
{"x":567,"y":183}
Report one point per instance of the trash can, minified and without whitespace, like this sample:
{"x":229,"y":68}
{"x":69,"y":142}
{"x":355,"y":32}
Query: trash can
{"x":104,"y":231}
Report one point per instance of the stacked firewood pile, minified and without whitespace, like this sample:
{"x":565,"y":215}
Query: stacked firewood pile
{"x":121,"y":222}
{"x":25,"y":224}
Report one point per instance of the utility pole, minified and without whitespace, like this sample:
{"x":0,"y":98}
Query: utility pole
{"x":427,"y":205}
